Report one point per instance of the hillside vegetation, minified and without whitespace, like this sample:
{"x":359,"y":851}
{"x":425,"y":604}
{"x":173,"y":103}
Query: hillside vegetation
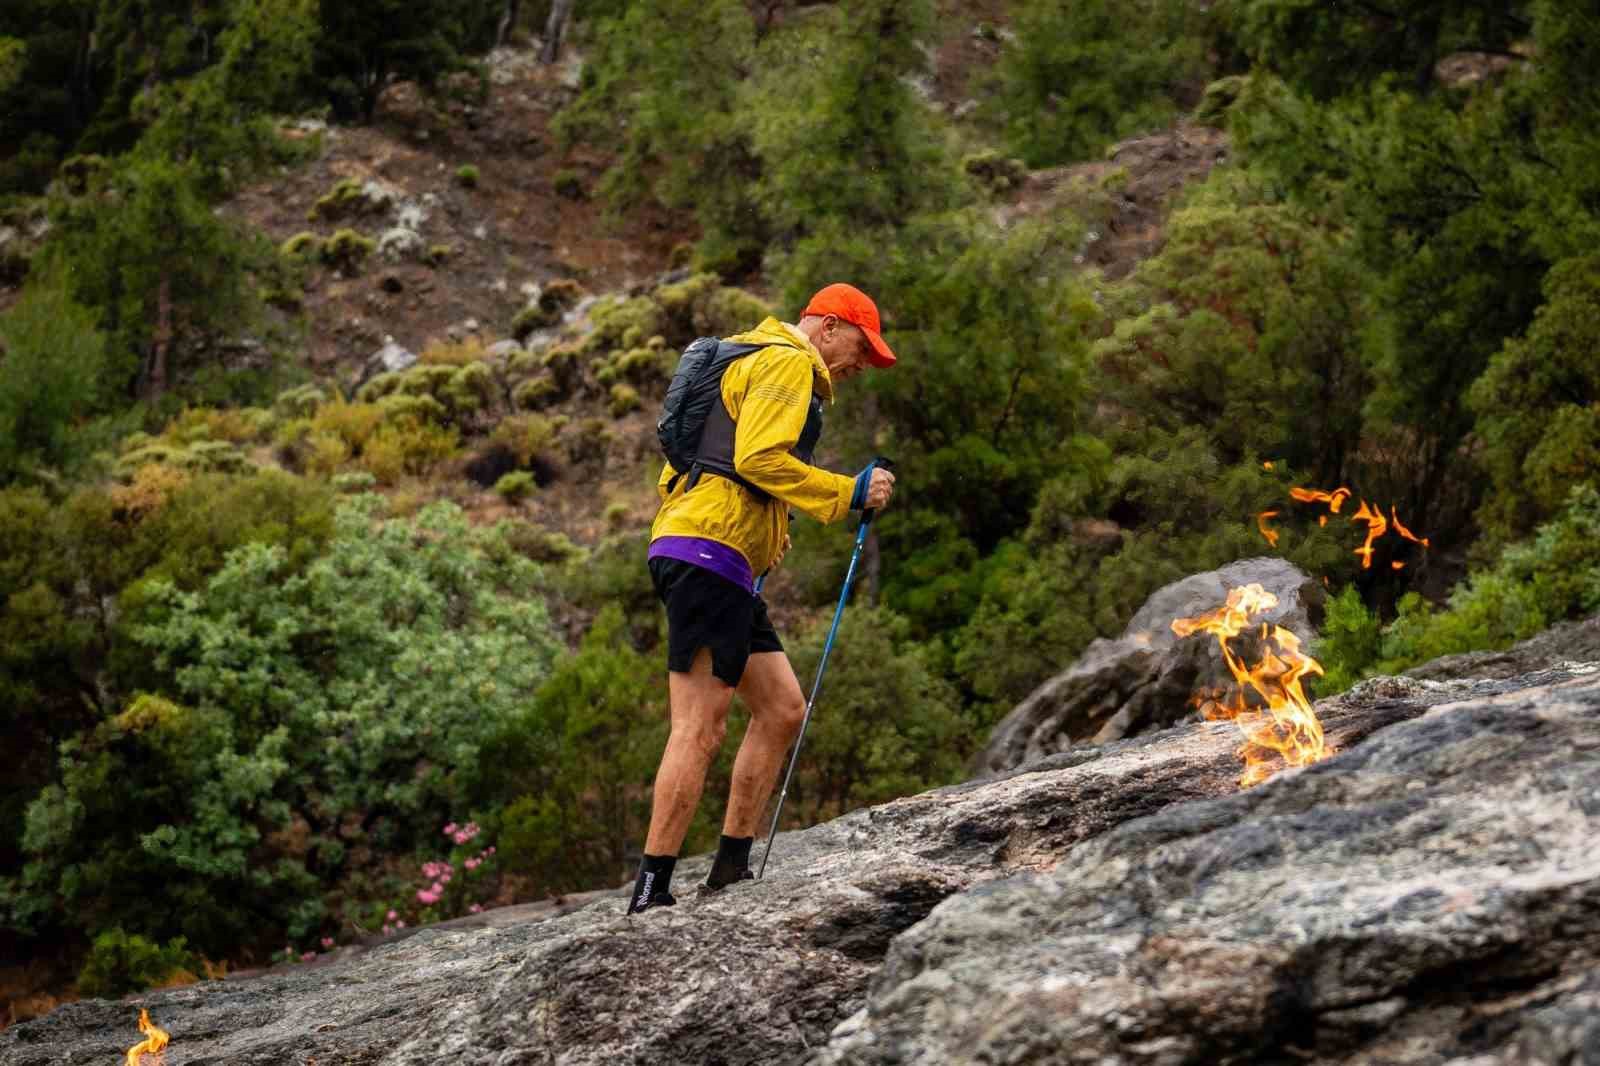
{"x":333,"y":334}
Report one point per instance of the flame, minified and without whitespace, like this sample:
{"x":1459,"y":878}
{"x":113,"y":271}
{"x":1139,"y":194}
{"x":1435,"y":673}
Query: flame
{"x":1334,"y":499}
{"x":1267,"y":465}
{"x":1286,"y":731}
{"x":1377,"y":525}
{"x":1261,"y":524}
{"x":154,"y":1039}
{"x":1403,"y":531}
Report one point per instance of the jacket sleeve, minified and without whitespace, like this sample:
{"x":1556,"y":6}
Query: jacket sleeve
{"x":771,"y":416}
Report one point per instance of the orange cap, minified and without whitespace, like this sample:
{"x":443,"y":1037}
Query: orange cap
{"x":850,"y":304}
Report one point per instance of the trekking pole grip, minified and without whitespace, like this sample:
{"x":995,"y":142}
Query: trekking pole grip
{"x":878,"y":463}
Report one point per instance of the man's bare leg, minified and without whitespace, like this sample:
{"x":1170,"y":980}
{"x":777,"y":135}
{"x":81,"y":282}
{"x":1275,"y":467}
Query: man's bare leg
{"x":777,"y":707}
{"x":700,"y":703}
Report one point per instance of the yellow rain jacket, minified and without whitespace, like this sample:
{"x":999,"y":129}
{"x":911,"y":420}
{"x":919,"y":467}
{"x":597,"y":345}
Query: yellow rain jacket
{"x":767,"y":394}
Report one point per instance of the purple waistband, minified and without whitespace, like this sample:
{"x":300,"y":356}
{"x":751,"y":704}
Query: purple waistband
{"x":713,"y":555}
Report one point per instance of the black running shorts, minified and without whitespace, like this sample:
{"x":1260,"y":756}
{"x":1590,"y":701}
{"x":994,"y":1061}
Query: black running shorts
{"x":708,"y":611}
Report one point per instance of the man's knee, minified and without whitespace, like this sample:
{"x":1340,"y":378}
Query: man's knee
{"x":788,"y":713}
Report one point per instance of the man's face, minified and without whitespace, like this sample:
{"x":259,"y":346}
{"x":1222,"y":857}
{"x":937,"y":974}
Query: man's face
{"x":844,"y":348}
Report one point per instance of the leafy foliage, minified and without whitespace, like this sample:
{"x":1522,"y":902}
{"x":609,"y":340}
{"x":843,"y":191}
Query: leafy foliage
{"x":347,"y":703}
{"x":1075,"y":76}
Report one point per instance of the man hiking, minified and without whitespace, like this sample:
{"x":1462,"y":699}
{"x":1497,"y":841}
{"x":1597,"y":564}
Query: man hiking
{"x":714,"y":533}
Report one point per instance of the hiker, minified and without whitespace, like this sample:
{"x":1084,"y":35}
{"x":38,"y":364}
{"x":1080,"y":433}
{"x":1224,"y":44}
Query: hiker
{"x":714,"y":533}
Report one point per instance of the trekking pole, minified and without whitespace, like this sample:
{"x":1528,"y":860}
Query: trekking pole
{"x":816,"y":686}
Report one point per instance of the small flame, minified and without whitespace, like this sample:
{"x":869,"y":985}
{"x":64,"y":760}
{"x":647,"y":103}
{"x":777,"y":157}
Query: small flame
{"x":1267,"y":465}
{"x":1334,"y":499}
{"x":1403,"y":531}
{"x":1261,"y":524}
{"x":1286,"y":731}
{"x":154,"y":1039}
{"x":1377,"y":525}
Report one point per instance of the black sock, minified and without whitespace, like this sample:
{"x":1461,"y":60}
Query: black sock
{"x":655,"y":876}
{"x":733,"y":860}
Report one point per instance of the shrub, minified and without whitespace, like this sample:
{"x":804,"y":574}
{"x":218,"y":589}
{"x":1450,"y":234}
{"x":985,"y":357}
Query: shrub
{"x":516,"y":486}
{"x":438,"y":255}
{"x":302,"y":247}
{"x":528,"y":436}
{"x":589,"y":441}
{"x":537,"y":543}
{"x":354,"y":481}
{"x":448,"y":353}
{"x":119,"y":964}
{"x":1350,"y":643}
{"x":994,"y":171}
{"x":623,"y":399}
{"x":299,"y":402}
{"x":467,"y":176}
{"x":536,"y":394}
{"x":312,"y":721}
{"x":346,"y":198}
{"x":352,"y":423}
{"x":347,"y":250}
{"x":407,"y":447}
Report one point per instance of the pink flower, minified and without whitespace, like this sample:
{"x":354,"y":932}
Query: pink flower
{"x":476,"y":908}
{"x":391,"y":916}
{"x":327,"y":942}
{"x":491,"y":849}
{"x":399,"y":925}
{"x":472,"y":864}
{"x":308,"y":956}
{"x":450,"y":829}
{"x":427,"y":898}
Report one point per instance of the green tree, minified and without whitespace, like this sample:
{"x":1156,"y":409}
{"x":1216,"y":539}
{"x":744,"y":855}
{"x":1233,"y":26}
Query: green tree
{"x":369,"y":45}
{"x":686,"y":142}
{"x":52,"y":368}
{"x":1329,"y":49}
{"x":163,"y":273}
{"x":1248,"y":321}
{"x":1538,"y":407}
{"x":1077,"y":75}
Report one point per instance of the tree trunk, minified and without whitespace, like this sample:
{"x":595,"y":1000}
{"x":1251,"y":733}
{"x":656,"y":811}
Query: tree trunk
{"x":157,"y":381}
{"x":509,"y":22}
{"x":555,"y":26}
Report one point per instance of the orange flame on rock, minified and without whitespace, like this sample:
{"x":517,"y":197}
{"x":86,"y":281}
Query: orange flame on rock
{"x":1285,"y":731}
{"x":1403,"y":531}
{"x":154,"y":1039}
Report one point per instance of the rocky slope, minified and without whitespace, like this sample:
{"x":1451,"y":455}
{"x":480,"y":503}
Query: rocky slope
{"x":1427,"y":894}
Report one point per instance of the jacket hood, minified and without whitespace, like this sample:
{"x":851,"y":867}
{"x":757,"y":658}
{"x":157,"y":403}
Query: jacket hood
{"x":771,"y":332}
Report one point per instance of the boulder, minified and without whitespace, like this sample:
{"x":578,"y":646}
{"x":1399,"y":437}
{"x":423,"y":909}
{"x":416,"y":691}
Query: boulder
{"x":1147,"y":678}
{"x":1431,"y":895}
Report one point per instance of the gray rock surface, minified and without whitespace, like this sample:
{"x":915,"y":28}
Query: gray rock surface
{"x":1144,"y":679}
{"x":1431,"y":895}
{"x":1428,"y":894}
{"x":761,"y":972}
{"x":1562,"y":642}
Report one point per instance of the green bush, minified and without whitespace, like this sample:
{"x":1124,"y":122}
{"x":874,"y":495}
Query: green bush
{"x":516,"y":486}
{"x":890,"y":726}
{"x":467,"y":176}
{"x":310,"y":723}
{"x":119,"y":964}
{"x":347,"y":250}
{"x":303,"y":247}
{"x":54,"y":363}
{"x":1350,"y":642}
{"x":622,"y":400}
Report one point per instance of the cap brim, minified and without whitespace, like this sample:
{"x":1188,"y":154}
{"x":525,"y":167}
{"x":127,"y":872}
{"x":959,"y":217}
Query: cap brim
{"x":881,"y":355}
